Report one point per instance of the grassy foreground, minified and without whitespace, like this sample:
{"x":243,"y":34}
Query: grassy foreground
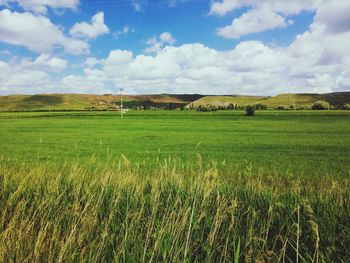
{"x":193,"y":187}
{"x":178,"y":211}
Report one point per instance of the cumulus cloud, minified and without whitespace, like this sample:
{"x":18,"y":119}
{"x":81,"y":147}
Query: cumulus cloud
{"x":223,"y":7}
{"x":250,"y":68}
{"x":156,"y":44}
{"x":91,"y":31}
{"x":318,"y":60}
{"x":47,"y":62}
{"x":92,"y":61}
{"x":287,"y":8}
{"x":263,"y":15}
{"x":335,"y":15}
{"x":90,"y":83}
{"x":30,"y":75}
{"x":118,"y":57}
{"x":41,"y":6}
{"x":256,"y":20}
{"x":37,"y":33}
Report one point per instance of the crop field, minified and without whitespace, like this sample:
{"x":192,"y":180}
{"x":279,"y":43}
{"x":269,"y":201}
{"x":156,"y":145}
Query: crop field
{"x":175,"y":186}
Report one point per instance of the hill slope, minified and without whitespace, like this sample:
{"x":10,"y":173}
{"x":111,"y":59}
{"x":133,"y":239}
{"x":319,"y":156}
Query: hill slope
{"x":108,"y":101}
{"x":306,"y":99}
{"x":86,"y":101}
{"x":224,"y":100}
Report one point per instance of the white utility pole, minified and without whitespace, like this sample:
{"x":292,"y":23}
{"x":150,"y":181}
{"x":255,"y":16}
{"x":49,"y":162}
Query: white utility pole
{"x":288,"y":95}
{"x":121,"y":103}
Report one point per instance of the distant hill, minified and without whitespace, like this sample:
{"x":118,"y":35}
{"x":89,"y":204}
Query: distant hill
{"x":169,"y":101}
{"x":224,"y":100}
{"x":306,"y":99}
{"x":88,"y":101}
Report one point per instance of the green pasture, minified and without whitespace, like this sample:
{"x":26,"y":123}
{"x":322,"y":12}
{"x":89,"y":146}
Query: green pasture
{"x":299,"y":141}
{"x":175,"y":186}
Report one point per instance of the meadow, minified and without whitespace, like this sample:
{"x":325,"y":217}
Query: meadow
{"x":175,"y":186}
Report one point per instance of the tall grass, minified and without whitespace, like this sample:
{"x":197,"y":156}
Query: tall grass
{"x":177,"y":211}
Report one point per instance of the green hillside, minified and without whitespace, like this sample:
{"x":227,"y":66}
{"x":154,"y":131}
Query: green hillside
{"x":222,"y":100}
{"x":103,"y":102}
{"x":306,"y":99}
{"x":42,"y":102}
{"x":87,"y":101}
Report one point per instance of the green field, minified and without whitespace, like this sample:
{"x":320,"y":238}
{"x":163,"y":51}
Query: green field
{"x":175,"y":186}
{"x":317,"y":142}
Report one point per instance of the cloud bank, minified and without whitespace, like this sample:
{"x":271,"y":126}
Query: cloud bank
{"x":318,"y":60}
{"x":37,"y":33}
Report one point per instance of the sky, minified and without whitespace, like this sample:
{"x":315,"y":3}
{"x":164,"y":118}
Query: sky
{"x":247,"y":47}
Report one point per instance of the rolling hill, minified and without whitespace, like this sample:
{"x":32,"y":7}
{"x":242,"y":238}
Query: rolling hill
{"x":88,"y":101}
{"x":224,"y":100}
{"x":46,"y":102}
{"x":305,"y":99}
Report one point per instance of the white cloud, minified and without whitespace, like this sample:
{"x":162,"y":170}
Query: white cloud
{"x":335,"y":15}
{"x":287,"y":8}
{"x":343,"y":80}
{"x":41,"y":6}
{"x":224,"y":7}
{"x":37,"y":33}
{"x":156,"y":44}
{"x":314,"y":62}
{"x":48,"y":62}
{"x":167,"y":38}
{"x":92,"y":61}
{"x":136,"y":5}
{"x":318,"y":60}
{"x":91,"y":31}
{"x":255,"y":20}
{"x":263,"y":15}
{"x":30,"y":76}
{"x":125,"y":30}
{"x":118,"y":57}
{"x":85,"y":84}
{"x":249,"y":68}
{"x":5,"y":52}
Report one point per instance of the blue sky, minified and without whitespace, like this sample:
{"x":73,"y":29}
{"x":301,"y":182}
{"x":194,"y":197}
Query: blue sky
{"x":176,"y":46}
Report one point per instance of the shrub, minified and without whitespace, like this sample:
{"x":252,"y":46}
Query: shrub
{"x":282,"y":107}
{"x":293,"y":107}
{"x":321,"y":105}
{"x":231,"y":106}
{"x":345,"y":106}
{"x":250,"y":110}
{"x":207,"y":107}
{"x":260,"y":106}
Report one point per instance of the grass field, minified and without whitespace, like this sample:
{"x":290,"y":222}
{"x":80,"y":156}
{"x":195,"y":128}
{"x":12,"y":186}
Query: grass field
{"x":317,"y":142}
{"x":175,"y":186}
